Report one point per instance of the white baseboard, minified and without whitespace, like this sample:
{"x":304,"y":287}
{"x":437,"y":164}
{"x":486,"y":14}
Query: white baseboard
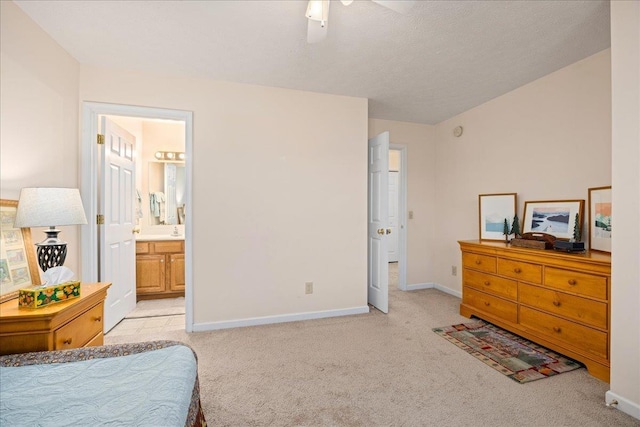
{"x":267,"y":320}
{"x":437,"y":286}
{"x":624,"y":405}
{"x":418,"y":286}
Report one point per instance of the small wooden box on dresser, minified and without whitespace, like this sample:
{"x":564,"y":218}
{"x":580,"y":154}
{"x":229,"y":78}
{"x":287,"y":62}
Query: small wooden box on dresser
{"x":76,"y":323}
{"x":558,"y":300}
{"x":159,"y":269}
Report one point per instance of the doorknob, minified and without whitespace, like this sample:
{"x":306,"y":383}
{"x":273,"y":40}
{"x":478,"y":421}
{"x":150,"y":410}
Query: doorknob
{"x":388,"y":231}
{"x":135,"y":230}
{"x":381,"y":231}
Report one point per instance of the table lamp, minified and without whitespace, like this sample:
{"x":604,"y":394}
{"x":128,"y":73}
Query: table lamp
{"x":42,"y":207}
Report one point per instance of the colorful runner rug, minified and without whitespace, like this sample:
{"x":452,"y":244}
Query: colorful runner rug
{"x":519,"y":359}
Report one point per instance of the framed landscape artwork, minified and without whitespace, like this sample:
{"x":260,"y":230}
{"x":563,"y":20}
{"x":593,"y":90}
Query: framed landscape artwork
{"x":493,"y":210}
{"x":555,"y":217}
{"x":600,"y":219}
{"x":18,"y":265}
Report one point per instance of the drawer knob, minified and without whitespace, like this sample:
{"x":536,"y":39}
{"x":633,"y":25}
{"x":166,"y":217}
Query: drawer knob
{"x":478,"y":262}
{"x":572,"y":282}
{"x":517,"y":270}
{"x":487,"y":283}
{"x":487,"y":303}
{"x":97,"y":319}
{"x":67,"y":341}
{"x":556,"y":303}
{"x":556,"y":329}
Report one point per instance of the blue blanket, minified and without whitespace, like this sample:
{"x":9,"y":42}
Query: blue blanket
{"x":147,"y":389}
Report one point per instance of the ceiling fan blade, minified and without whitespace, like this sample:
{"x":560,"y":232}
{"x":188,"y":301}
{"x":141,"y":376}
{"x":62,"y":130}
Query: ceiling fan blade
{"x":316,"y":32}
{"x":400,"y":6}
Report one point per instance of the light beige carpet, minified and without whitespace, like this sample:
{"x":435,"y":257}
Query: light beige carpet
{"x":377,"y":370}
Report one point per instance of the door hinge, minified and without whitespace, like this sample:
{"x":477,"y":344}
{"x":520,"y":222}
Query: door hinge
{"x":100,"y":139}
{"x":99,"y":219}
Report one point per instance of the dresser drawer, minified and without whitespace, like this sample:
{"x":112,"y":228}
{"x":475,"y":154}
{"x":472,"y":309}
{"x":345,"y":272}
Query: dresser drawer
{"x":498,"y":307}
{"x":578,"y":283}
{"x":80,"y":330}
{"x":142,"y":247}
{"x":479,"y":262}
{"x":519,"y":270}
{"x":583,"y":310}
{"x":491,"y":284}
{"x":561,"y":330}
{"x":165,"y":247}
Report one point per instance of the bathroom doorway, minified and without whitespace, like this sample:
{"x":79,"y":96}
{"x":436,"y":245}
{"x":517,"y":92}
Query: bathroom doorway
{"x":163,"y":145}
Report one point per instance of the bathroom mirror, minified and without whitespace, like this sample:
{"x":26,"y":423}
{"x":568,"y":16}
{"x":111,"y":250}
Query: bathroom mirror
{"x":166,"y":187}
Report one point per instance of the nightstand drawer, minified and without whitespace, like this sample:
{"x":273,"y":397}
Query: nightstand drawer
{"x":586,"y":311}
{"x":578,"y":283}
{"x":495,"y":306}
{"x":479,"y":262}
{"x":80,"y":330}
{"x":491,"y":284}
{"x":561,"y":330}
{"x":520,"y":270}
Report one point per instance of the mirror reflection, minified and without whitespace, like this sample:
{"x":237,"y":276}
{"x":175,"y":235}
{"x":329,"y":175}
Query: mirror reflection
{"x":166,"y":185}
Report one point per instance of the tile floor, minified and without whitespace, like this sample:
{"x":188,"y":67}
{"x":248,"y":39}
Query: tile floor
{"x":148,"y":318}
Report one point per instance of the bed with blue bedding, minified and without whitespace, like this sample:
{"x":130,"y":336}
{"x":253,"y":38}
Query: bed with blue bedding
{"x":144,"y":384}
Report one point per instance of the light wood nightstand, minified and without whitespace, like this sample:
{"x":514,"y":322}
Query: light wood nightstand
{"x":71,"y":324}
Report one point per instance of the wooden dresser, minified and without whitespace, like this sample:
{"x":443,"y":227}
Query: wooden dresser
{"x":556,"y":299}
{"x":159,"y":269}
{"x":75,"y":323}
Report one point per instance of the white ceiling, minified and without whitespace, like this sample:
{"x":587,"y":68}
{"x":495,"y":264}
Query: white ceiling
{"x":441,"y":59}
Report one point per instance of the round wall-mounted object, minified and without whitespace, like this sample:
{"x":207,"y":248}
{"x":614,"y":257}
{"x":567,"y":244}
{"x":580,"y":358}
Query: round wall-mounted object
{"x":457,"y":131}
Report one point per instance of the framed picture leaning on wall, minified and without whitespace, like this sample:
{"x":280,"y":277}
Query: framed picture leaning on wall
{"x":18,"y":265}
{"x":600,"y":219}
{"x":493,"y":210}
{"x":555,"y":217}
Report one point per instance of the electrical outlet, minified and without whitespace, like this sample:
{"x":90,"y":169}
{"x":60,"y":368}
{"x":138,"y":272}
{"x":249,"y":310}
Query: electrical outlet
{"x":410,"y":214}
{"x":308,"y":288}
{"x":454,"y":270}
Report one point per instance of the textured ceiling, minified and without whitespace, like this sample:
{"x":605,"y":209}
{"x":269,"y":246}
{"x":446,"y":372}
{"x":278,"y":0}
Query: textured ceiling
{"x":441,"y":59}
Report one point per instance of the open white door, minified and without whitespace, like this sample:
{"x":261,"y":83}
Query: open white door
{"x":393,"y":215}
{"x":378,"y":274}
{"x":117,"y":242}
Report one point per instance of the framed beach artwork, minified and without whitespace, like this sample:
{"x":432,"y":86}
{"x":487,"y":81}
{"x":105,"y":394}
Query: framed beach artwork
{"x":600,"y":219}
{"x":555,"y":217}
{"x":18,"y":265}
{"x":493,"y":210}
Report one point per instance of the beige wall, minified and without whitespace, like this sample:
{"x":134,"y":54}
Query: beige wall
{"x":272,"y":208}
{"x":625,"y":293}
{"x":38,"y":115}
{"x":420,"y":143}
{"x":547,"y":140}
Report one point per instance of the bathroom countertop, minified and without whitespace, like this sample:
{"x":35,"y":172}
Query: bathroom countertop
{"x":156,"y":237}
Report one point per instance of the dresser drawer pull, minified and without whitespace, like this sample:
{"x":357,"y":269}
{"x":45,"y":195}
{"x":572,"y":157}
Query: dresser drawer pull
{"x":517,"y":270}
{"x":487,"y":303}
{"x":97,"y":319}
{"x":478,"y":262}
{"x":557,"y":329}
{"x":556,"y":303}
{"x":572,"y":282}
{"x":67,"y":341}
{"x":487,"y":283}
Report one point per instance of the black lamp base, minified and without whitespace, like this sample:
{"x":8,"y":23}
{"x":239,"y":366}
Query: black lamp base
{"x":50,"y":256}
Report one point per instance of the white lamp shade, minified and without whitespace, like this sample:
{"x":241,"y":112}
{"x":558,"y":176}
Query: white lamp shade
{"x":47,"y":207}
{"x":318,"y":10}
